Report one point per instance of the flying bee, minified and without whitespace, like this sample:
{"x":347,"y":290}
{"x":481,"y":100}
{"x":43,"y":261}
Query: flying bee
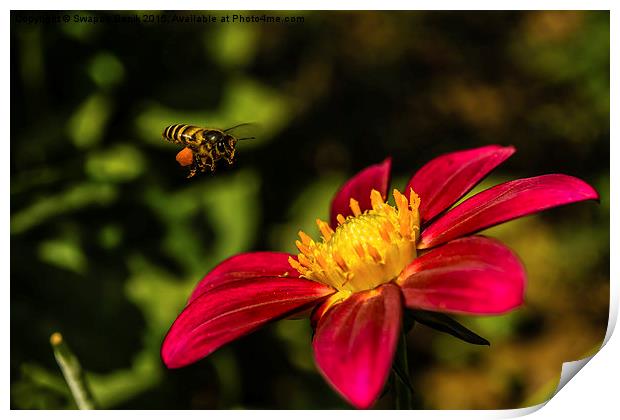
{"x":203,"y":147}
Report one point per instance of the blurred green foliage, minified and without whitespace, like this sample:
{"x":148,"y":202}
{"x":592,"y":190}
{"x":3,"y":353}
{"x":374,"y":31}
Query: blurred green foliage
{"x":108,"y":237}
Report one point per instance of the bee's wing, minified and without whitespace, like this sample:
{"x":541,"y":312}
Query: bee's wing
{"x":244,"y":131}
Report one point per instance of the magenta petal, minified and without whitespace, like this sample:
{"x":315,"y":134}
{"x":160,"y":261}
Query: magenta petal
{"x":355,"y":343}
{"x":473,"y":275}
{"x":245,"y":266}
{"x":505,"y":202}
{"x":359,"y":187}
{"x":445,"y":179}
{"x":227,"y":312}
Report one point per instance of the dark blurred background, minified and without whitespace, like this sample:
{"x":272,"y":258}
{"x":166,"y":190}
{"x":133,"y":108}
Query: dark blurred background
{"x":108,"y":237}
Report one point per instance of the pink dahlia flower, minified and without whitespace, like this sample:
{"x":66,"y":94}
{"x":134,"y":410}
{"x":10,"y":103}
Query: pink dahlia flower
{"x":373,"y":260}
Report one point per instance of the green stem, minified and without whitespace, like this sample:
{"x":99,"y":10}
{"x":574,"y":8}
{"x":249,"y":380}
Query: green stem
{"x":73,"y":373}
{"x":402,"y":381}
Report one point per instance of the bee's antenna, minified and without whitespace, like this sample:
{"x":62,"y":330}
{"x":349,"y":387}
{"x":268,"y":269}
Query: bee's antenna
{"x":246,"y":138}
{"x":238,"y":125}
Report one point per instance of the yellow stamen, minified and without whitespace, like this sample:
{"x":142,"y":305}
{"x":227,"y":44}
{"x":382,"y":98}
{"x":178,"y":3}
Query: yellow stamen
{"x":374,"y":253}
{"x":305,"y":238}
{"x":305,"y":249}
{"x":322,"y":262}
{"x":293,"y":262}
{"x":405,"y":224}
{"x":304,"y":261}
{"x":340,"y":261}
{"x":375,"y":199}
{"x":366,"y":249}
{"x":326,"y":231}
{"x":359,"y":249}
{"x":349,"y":276}
{"x":398,"y":198}
{"x":355,"y":207}
{"x":384,"y":233}
{"x":403,"y":214}
{"x":414,"y":200}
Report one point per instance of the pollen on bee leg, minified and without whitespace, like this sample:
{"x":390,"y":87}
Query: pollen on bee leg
{"x":375,"y":199}
{"x":326,"y":231}
{"x":355,"y":207}
{"x":340,"y":218}
{"x":185,"y":157}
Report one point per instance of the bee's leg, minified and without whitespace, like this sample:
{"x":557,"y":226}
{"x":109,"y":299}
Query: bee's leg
{"x":207,"y":162}
{"x":196,"y":165}
{"x":231,"y":157}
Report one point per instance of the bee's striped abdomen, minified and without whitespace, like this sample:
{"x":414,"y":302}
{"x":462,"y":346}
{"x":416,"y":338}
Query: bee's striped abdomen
{"x":181,"y":133}
{"x":170,"y":132}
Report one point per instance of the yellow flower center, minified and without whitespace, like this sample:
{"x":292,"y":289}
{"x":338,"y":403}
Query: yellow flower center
{"x":367,"y":249}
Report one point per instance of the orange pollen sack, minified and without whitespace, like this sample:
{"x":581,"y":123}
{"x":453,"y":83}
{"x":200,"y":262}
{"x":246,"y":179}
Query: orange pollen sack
{"x":365,"y":249}
{"x":185,"y":157}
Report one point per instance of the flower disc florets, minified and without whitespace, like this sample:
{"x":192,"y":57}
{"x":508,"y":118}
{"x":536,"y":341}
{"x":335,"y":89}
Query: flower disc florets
{"x":367,"y":249}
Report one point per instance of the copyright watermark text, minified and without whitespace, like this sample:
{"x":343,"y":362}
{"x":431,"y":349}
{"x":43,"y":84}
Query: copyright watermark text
{"x":155,"y":18}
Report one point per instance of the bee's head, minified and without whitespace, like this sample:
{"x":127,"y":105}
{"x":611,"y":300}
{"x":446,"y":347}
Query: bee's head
{"x":225,"y":144}
{"x":230,"y":142}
